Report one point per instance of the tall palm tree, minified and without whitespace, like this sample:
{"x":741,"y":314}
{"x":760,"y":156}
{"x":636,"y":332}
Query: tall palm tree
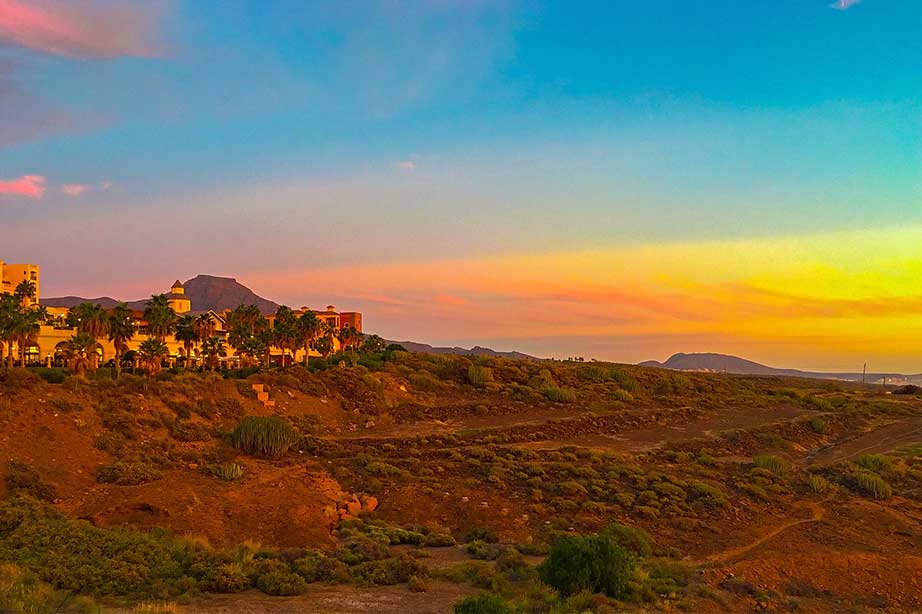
{"x":78,"y":352}
{"x":92,"y":320}
{"x":121,"y":331}
{"x":187,"y":334}
{"x":285,"y":334}
{"x":308,"y":329}
{"x":151,"y":353}
{"x":10,"y":308}
{"x":25,"y":329}
{"x":348,"y":339}
{"x":204,"y":326}
{"x":25,"y":292}
{"x":161,"y":319}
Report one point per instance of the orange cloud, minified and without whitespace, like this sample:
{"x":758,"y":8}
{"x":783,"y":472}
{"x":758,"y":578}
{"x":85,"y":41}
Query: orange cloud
{"x":89,"y":29}
{"x":28,"y":186}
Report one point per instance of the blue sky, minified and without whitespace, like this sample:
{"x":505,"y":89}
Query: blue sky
{"x":243,"y":138}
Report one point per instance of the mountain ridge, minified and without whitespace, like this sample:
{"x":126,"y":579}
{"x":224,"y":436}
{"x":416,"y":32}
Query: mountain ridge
{"x":726,"y":363}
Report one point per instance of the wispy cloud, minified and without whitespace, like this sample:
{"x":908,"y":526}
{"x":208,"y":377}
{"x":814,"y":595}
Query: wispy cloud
{"x":843,"y":5}
{"x":407,"y":165}
{"x":88,"y":29}
{"x":74,"y":189}
{"x":27,"y":186}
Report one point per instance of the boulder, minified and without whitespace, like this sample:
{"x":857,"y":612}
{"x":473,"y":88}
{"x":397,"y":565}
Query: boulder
{"x":371,"y":504}
{"x":354,"y":507}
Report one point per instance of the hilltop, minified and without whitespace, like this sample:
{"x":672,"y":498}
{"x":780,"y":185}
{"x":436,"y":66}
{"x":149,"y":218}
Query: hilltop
{"x":206,"y":292}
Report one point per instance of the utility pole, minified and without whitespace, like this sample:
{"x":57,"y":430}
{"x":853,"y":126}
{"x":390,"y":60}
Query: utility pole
{"x":864,"y":374}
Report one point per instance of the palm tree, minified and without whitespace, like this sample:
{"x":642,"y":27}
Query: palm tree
{"x":161,"y":319}
{"x":92,"y":320}
{"x":10,"y":308}
{"x":285,"y":334}
{"x":373,"y":343}
{"x":308,"y":328}
{"x":204,"y":326}
{"x":187,"y":334}
{"x":348,"y":338}
{"x":213,"y":350}
{"x":24,"y":292}
{"x":25,"y":328}
{"x":151,"y":353}
{"x":79,"y":352}
{"x":121,"y":331}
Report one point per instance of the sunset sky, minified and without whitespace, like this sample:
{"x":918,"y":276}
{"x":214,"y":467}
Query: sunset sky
{"x":618,"y":180}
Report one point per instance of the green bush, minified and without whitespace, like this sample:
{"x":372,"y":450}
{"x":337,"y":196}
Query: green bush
{"x":770,"y":463}
{"x":818,"y":403}
{"x":593,"y":562}
{"x":227,"y":471}
{"x":819,"y":426}
{"x":622,"y":395}
{"x":124,"y":473}
{"x":22,"y":479}
{"x":386,"y":572}
{"x":559,"y":395}
{"x":818,"y":484}
{"x":481,"y":534}
{"x":483,"y":604}
{"x":631,"y":538}
{"x":424,"y":381}
{"x":479,"y":376}
{"x":276,"y":578}
{"x":268,"y":437}
{"x":54,"y":375}
{"x":21,"y":591}
{"x":878,"y":463}
{"x":318,"y":567}
{"x":226,"y":578}
{"x":870,"y":484}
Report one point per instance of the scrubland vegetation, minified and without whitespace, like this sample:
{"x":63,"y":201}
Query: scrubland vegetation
{"x":563,"y":487}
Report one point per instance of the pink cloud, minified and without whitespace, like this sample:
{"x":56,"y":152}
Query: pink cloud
{"x":28,"y":186}
{"x":407,"y":165}
{"x":74,"y":189}
{"x":89,"y":29}
{"x":843,"y":5}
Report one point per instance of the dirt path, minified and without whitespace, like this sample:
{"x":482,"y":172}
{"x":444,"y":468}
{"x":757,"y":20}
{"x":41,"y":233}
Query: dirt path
{"x":880,"y":440}
{"x":817,"y":514}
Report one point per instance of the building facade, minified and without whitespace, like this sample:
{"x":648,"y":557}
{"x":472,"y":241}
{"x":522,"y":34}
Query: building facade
{"x":11,"y":275}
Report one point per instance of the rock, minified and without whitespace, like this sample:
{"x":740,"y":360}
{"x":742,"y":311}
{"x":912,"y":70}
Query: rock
{"x":371,"y":504}
{"x":354,"y":507}
{"x":345,"y":517}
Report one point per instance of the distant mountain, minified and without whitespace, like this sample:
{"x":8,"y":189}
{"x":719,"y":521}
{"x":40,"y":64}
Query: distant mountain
{"x":477,"y":350}
{"x":219,"y":293}
{"x":723,"y":363}
{"x":204,"y":291}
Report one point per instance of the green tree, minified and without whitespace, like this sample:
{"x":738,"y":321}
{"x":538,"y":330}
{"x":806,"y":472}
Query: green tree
{"x":373,"y":343}
{"x":121,"y":331}
{"x":24,"y":292}
{"x":348,"y":339}
{"x":593,"y":562}
{"x":187,"y":334}
{"x":93,"y":320}
{"x":160,"y":317}
{"x":151,"y":354}
{"x":25,"y":327}
{"x":10,"y":308}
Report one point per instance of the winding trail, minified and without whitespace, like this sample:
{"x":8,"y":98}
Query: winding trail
{"x":735,"y":553}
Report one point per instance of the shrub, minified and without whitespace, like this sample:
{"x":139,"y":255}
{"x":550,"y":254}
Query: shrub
{"x":818,"y":403}
{"x":559,"y":395}
{"x":317,"y":567}
{"x":21,"y":591}
{"x":483,"y":604}
{"x":227,"y":471}
{"x":424,"y":381}
{"x":819,"y":426}
{"x":124,"y":473}
{"x":22,"y":479}
{"x":770,"y":463}
{"x":227,"y":578}
{"x":481,"y":534}
{"x":878,"y":463}
{"x":594,"y":562}
{"x":276,"y":578}
{"x":479,"y":376}
{"x":386,"y":572}
{"x":871,"y":485}
{"x":438,"y":540}
{"x":418,"y":584}
{"x":539,"y":599}
{"x":631,"y":538}
{"x":184,"y":430}
{"x":268,"y":437}
{"x":55,"y":375}
{"x":818,"y":484}
{"x":622,"y":395}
